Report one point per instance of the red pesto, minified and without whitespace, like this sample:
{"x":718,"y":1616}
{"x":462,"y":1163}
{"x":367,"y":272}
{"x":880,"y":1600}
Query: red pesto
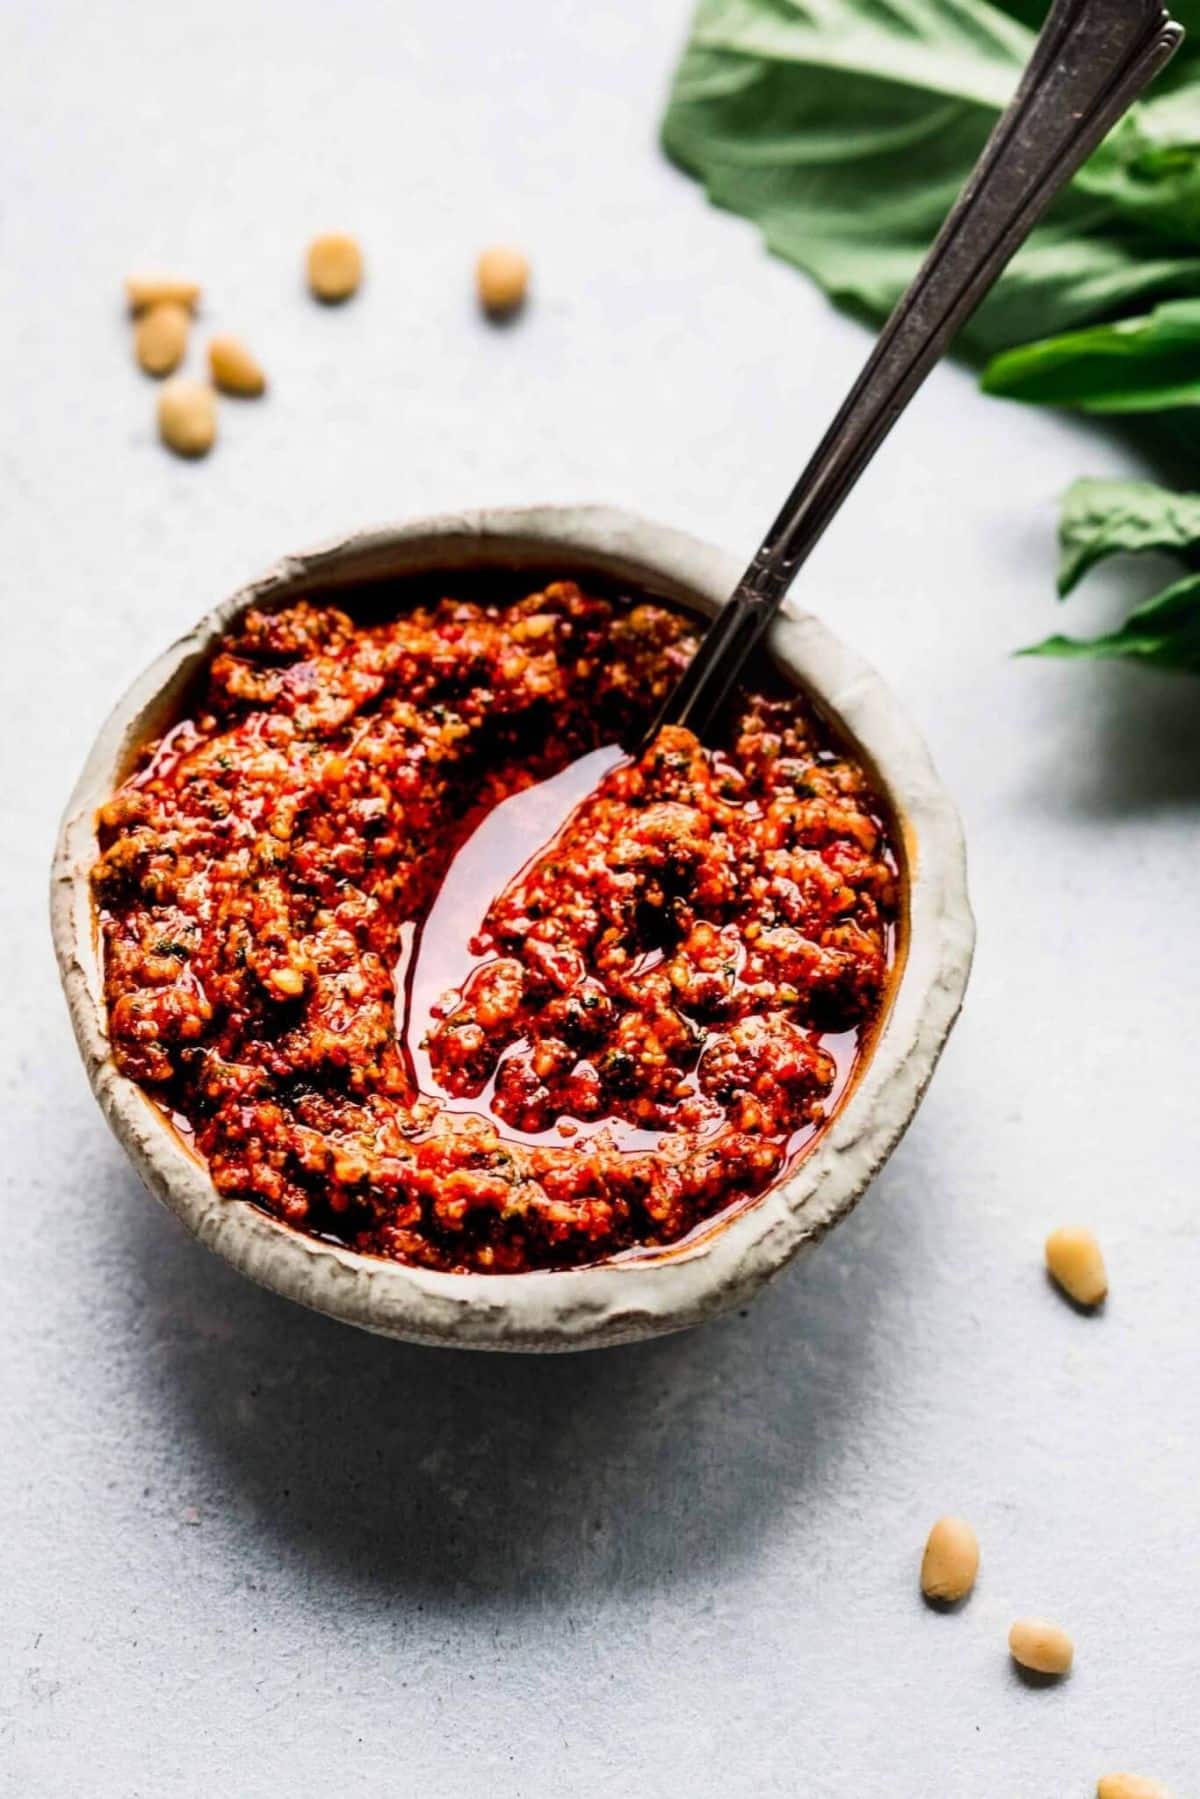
{"x":656,"y":1013}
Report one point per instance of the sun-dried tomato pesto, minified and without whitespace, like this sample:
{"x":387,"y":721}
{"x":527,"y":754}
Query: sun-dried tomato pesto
{"x":657,"y":1011}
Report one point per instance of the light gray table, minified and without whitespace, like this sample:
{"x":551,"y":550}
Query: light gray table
{"x":247,"y":1552}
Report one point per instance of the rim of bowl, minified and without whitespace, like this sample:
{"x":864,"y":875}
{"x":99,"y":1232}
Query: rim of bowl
{"x":612,"y":1302}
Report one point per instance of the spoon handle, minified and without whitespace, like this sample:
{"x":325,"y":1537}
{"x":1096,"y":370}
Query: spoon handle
{"x":1092,"y":59}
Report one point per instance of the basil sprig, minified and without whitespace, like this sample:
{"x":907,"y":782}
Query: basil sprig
{"x":844,"y":129}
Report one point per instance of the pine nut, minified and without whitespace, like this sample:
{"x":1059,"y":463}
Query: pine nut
{"x":951,"y":1561}
{"x":153,"y":290}
{"x":502,"y":278}
{"x":160,"y":336}
{"x":187,"y":416}
{"x":1044,"y":1647}
{"x":234,"y":369}
{"x":1130,"y":1786}
{"x":1074,"y":1259}
{"x":335,"y":266}
{"x":288,"y":981}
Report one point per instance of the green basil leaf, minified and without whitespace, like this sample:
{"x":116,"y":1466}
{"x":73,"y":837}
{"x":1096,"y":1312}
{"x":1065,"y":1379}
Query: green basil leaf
{"x":1162,"y":633}
{"x":1109,"y":518}
{"x":1150,"y":168}
{"x":1144,"y":364}
{"x":845,"y":128}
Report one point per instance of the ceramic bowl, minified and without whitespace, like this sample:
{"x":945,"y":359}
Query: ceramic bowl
{"x":613,"y":1303}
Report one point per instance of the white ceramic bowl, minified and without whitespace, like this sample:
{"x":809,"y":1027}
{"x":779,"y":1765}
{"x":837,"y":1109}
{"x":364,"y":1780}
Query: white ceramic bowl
{"x":581,"y":1308}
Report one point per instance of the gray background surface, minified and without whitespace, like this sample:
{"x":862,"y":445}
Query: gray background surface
{"x":248,"y":1552}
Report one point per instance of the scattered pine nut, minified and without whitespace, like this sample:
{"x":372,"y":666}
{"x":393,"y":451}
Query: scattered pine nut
{"x":950,"y":1562}
{"x":234,"y":369}
{"x":335,"y":266}
{"x":1044,"y":1647}
{"x":187,"y":416}
{"x":502,"y":279}
{"x":153,"y":290}
{"x":1074,"y":1259}
{"x":160,"y":335}
{"x":1130,"y":1786}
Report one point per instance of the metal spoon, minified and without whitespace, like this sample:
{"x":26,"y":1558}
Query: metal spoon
{"x":1090,"y":63}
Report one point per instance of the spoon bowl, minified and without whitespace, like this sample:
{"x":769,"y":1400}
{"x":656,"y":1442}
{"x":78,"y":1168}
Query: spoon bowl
{"x":643,"y":1294}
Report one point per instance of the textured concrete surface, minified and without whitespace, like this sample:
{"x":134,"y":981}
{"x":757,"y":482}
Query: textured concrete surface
{"x":245,"y":1551}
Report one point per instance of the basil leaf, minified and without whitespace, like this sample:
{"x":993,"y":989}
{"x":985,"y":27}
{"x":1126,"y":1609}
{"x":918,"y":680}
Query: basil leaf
{"x":1150,"y":169}
{"x":845,"y":128}
{"x":1108,"y":518}
{"x":1162,"y":633}
{"x":843,"y":139}
{"x":1144,"y":364}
